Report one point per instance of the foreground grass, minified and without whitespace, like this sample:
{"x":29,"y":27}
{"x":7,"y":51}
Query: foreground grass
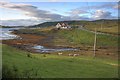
{"x":17,"y":63}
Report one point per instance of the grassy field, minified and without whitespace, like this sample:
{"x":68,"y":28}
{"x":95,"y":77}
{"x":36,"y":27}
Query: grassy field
{"x":106,"y":46}
{"x":75,"y":37}
{"x":105,"y":26}
{"x":80,"y":37}
{"x":17,"y":63}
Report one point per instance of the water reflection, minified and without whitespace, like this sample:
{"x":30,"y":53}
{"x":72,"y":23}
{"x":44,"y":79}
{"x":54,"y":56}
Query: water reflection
{"x":5,"y":33}
{"x":39,"y":48}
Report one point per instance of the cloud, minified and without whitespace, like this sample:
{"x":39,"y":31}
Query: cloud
{"x":103,"y":6}
{"x":39,"y":15}
{"x":76,"y":12}
{"x":116,"y":6}
{"x":31,"y":11}
{"x":34,"y":12}
{"x":54,"y":0}
{"x":101,"y":14}
{"x":20,"y":22}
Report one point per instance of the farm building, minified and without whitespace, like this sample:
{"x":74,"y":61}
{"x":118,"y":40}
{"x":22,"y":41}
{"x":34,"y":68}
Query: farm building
{"x":62,"y":26}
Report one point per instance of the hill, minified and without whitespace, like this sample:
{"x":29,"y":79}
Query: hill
{"x":103,"y":25}
{"x":75,"y":22}
{"x":1,"y":26}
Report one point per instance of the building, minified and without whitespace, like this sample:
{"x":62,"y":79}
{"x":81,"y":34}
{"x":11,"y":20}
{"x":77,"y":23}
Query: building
{"x":62,"y":26}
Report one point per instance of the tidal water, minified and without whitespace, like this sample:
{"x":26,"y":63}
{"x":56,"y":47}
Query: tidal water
{"x":5,"y":33}
{"x":40,"y":48}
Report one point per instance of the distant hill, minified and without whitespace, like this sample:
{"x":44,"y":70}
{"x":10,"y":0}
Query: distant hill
{"x":5,"y":26}
{"x":103,"y":25}
{"x":71,"y":23}
{"x":10,"y":26}
{"x":51,"y":24}
{"x":74,"y":23}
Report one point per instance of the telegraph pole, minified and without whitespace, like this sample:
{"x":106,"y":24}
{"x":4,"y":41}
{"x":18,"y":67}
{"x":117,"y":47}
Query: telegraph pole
{"x":95,"y":39}
{"x":102,"y":22}
{"x":101,"y":25}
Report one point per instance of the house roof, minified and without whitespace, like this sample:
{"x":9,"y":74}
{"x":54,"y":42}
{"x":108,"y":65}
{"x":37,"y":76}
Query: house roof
{"x":62,"y":24}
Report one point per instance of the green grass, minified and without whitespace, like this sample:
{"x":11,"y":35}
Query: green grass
{"x":74,"y":37}
{"x":17,"y":64}
{"x":104,"y":26}
{"x":80,"y":37}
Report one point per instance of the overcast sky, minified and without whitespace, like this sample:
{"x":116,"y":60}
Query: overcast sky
{"x":31,"y":13}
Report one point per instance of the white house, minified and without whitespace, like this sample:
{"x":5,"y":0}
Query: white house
{"x":62,"y":26}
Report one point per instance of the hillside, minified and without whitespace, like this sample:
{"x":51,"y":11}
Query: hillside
{"x":54,"y":66}
{"x":106,"y":26}
{"x":49,"y":24}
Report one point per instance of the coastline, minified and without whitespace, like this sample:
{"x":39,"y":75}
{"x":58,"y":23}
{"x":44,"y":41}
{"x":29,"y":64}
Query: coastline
{"x":27,"y":41}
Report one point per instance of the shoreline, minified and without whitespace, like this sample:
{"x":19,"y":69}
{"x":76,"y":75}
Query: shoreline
{"x":26,"y":41}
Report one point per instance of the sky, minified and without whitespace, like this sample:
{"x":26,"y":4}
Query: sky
{"x":25,"y":13}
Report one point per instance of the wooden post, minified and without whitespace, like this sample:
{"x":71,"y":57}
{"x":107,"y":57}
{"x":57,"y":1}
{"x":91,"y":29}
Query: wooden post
{"x":102,"y":22}
{"x":101,"y":25}
{"x":95,"y":43}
